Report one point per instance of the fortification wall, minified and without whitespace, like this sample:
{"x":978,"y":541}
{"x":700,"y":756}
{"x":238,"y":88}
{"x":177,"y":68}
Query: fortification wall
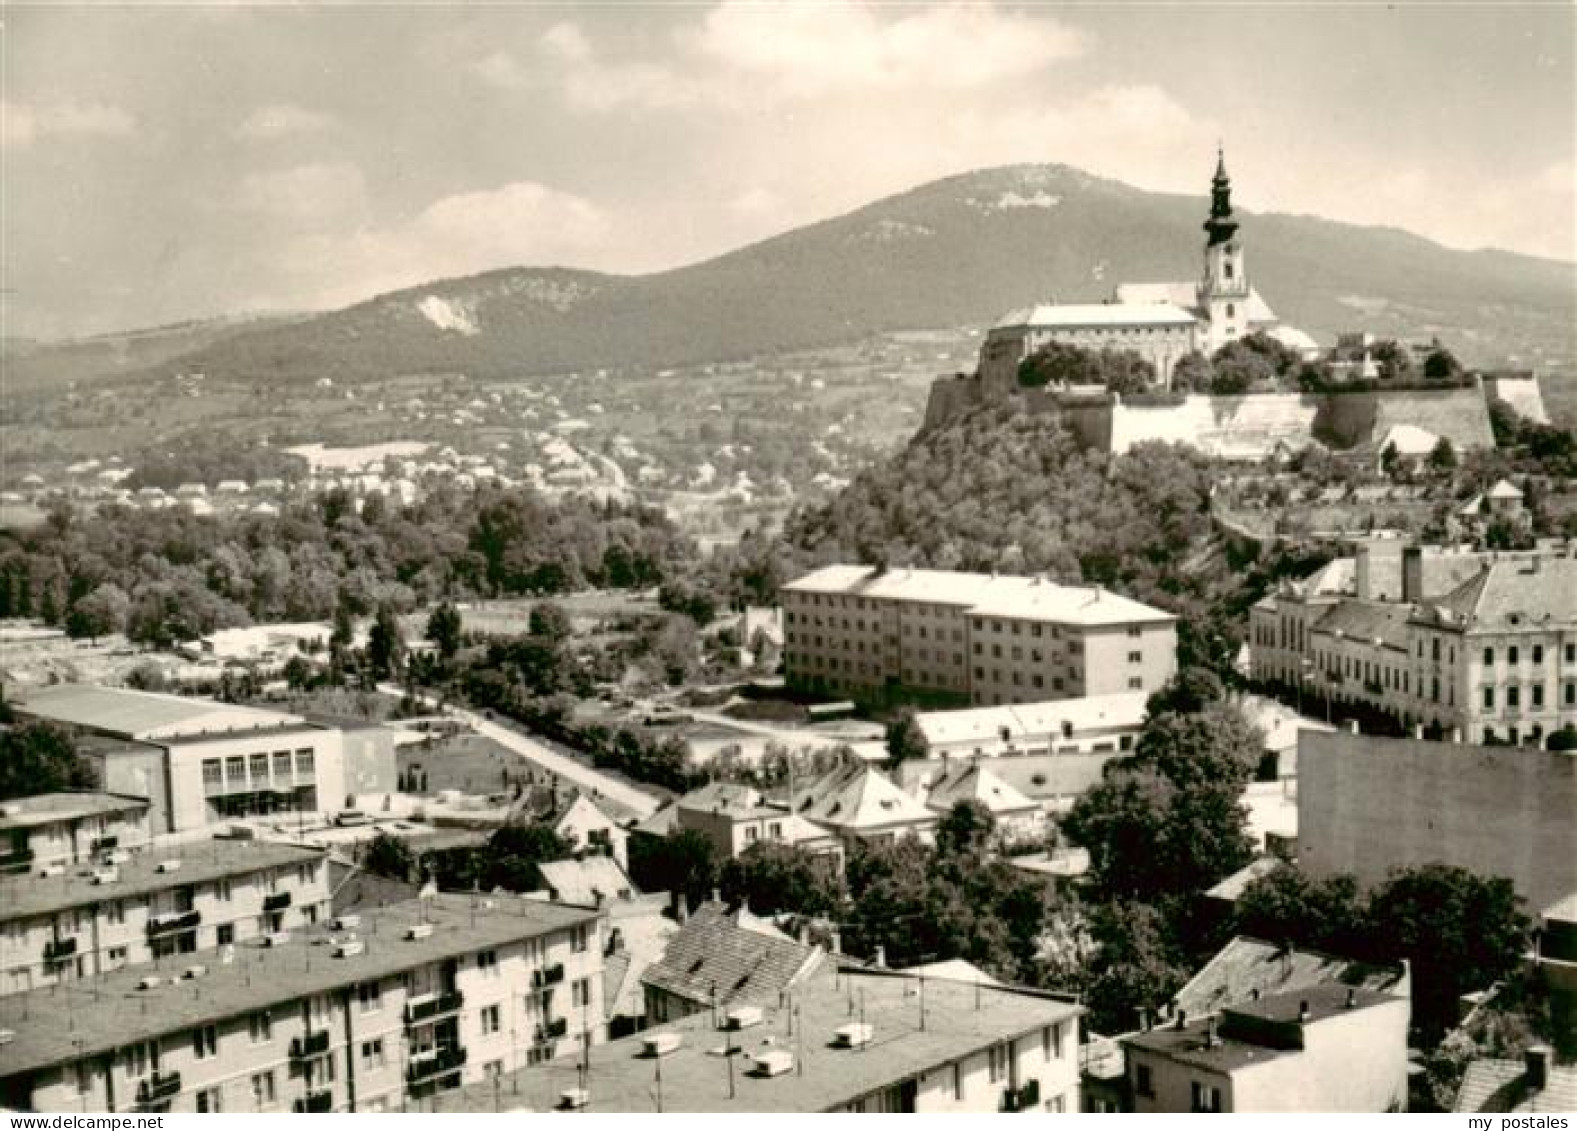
{"x":1236,"y":428}
{"x":1367,"y":805}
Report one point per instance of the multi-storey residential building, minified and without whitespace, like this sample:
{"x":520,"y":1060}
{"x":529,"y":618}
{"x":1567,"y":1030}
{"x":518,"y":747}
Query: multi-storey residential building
{"x":371,"y":1014}
{"x":61,"y":924}
{"x":843,"y":1040}
{"x":68,"y":828}
{"x":1492,"y":659}
{"x":859,"y":804}
{"x":1321,"y":1048}
{"x":198,"y":761}
{"x":968,"y":637}
{"x":734,"y":817}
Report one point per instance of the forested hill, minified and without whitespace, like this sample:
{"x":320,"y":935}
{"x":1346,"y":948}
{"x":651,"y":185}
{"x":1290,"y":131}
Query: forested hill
{"x":1007,"y":490}
{"x":958,"y":252}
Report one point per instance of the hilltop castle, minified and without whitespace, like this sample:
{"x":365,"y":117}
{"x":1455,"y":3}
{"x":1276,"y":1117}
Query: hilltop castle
{"x":1161,"y":322}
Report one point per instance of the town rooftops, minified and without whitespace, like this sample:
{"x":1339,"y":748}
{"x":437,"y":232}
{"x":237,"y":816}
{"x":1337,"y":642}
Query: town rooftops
{"x":1253,"y":1032}
{"x":856,"y":799}
{"x":959,"y":1020}
{"x":1246,"y":967}
{"x":726,"y":958}
{"x":111,"y":1011}
{"x":1513,"y":1085}
{"x":22,"y":897}
{"x":1186,"y":295}
{"x":1124,"y":710}
{"x":1381,"y":622}
{"x":1097,"y":314}
{"x":47,"y":808}
{"x":982,"y":594}
{"x":145,"y":715}
{"x":973,"y":782}
{"x":1230,"y":888}
{"x":729,"y":799}
{"x":587,"y":883}
{"x":1531,"y":593}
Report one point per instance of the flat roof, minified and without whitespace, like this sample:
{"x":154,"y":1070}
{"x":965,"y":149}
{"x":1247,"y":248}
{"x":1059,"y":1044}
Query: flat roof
{"x":960,"y":1019}
{"x":1124,"y":710}
{"x":981,"y":594}
{"x":146,"y":715}
{"x":46,"y":808}
{"x":22,"y":897}
{"x":109,"y":1011}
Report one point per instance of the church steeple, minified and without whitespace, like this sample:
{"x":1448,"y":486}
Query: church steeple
{"x":1221,"y":226}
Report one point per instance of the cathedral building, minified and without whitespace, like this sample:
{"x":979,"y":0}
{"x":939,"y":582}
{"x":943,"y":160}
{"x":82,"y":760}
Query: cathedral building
{"x":1161,"y":322}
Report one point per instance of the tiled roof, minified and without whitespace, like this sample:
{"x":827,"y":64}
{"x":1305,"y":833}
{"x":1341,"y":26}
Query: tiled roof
{"x":1248,"y":966}
{"x":713,"y":953}
{"x":982,"y":594}
{"x":858,"y":798}
{"x":585,"y":882}
{"x":1514,"y":594}
{"x":972,"y":782}
{"x":1232,"y":887}
{"x":725,"y":797}
{"x":1367,"y":621}
{"x":1501,"y":1086}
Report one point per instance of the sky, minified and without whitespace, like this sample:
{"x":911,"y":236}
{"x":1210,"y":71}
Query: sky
{"x":160,"y":163}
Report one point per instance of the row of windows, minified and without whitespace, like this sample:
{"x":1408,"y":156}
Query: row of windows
{"x":1513,"y":656}
{"x":1536,"y":696}
{"x":259,"y":771}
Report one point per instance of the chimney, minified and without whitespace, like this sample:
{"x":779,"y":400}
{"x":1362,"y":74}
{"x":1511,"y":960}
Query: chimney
{"x":1303,"y":1012}
{"x":1352,"y":997}
{"x":1144,"y":1019}
{"x":1418,"y":731}
{"x":881,"y":957}
{"x":1352,"y":725}
{"x":1456,"y":735}
{"x":717,"y":895}
{"x":1537,"y":1062}
{"x":1182,"y":1018}
{"x":1211,"y":1040}
{"x":836,"y":942}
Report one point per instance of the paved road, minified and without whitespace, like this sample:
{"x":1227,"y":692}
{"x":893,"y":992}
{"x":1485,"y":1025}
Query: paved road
{"x":589,"y":779}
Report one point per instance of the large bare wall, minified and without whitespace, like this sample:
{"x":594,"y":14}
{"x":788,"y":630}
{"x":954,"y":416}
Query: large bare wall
{"x":1367,"y":805}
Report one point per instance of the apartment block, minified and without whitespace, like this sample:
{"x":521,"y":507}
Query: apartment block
{"x":63,"y":923}
{"x":68,"y":828}
{"x":378,"y":1012}
{"x":969,"y":638}
{"x":845,"y":1040}
{"x":1321,"y":1048}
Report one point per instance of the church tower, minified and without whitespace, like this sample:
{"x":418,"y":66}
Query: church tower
{"x":1225,"y":294}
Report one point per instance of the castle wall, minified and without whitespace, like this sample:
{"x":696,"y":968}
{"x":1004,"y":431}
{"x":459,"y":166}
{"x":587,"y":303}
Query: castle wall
{"x":1367,"y":805}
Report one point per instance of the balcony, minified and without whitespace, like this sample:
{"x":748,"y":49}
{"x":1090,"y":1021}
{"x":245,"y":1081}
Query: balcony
{"x":319,"y":1101}
{"x":105,"y":843}
{"x":1021,"y":1099}
{"x":16,"y":859}
{"x":173,"y":922}
{"x":552,"y":1030}
{"x":434,"y":1005}
{"x":311,"y":1044}
{"x":159,"y":1086}
{"x":551,"y":976}
{"x":276,"y":902}
{"x":59,"y":950}
{"x":440,"y":1062}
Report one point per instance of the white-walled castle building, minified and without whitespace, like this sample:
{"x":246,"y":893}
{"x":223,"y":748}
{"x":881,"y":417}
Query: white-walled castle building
{"x":1161,"y":322}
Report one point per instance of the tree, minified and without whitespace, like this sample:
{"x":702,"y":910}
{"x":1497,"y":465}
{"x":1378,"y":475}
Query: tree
{"x":385,"y":644}
{"x":1166,"y":820}
{"x":513,"y":853}
{"x":1193,"y":373}
{"x":1395,"y":360}
{"x":443,"y":629}
{"x":905,"y":739}
{"x":1443,"y":457}
{"x":683,"y":862}
{"x":965,"y":830}
{"x":1459,"y":931}
{"x":1136,"y":966}
{"x":1563,"y":739}
{"x":1238,"y":366}
{"x":773,"y":877}
{"x":100,"y":613}
{"x":39,"y":758}
{"x":389,"y":856}
{"x":1442,"y":365}
{"x":1188,"y":692}
{"x":1389,"y":458}
{"x":550,"y":622}
{"x":1289,"y":908}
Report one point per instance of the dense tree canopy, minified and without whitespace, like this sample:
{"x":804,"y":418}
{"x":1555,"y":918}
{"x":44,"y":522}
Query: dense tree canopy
{"x":1058,"y":364}
{"x":771,"y":877}
{"x":40,"y":758}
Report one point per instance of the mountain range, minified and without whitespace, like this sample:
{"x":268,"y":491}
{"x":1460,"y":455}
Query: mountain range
{"x":953,"y":253}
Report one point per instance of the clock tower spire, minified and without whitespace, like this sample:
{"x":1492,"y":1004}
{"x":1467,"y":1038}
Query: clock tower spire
{"x":1224,"y":295}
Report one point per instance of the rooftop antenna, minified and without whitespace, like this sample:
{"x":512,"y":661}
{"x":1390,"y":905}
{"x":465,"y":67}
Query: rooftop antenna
{"x":922,"y":1004}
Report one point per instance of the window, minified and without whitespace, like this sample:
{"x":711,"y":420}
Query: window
{"x":487,"y":962}
{"x":281,"y":767}
{"x":1489,"y":698}
{"x":1143,"y":1084}
{"x":235,"y":770}
{"x":958,"y":1080}
{"x":213,"y":774}
{"x":369,"y":996}
{"x":1489,"y":657}
{"x":580,"y":993}
{"x":209,"y":1101}
{"x":1511,"y":655}
{"x":1136,"y":684}
{"x":1051,"y":1042}
{"x":205,"y":1042}
{"x":1203,"y":1097}
{"x":1513,"y":696}
{"x":1135,"y":657}
{"x":261,"y":1026}
{"x":225,"y":935}
{"x":372,"y":1055}
{"x":997,"y":1063}
{"x":263,"y":1089}
{"x":305,"y":768}
{"x":579,"y":938}
{"x":258,"y":766}
{"x":490,"y":1020}
{"x":115,"y":912}
{"x":1057,"y":1104}
{"x":1538,"y":695}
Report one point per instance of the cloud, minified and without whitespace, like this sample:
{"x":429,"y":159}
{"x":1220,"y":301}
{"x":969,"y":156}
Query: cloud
{"x":743,"y":56}
{"x":282,"y":119}
{"x":320,"y":192}
{"x":22,"y":124}
{"x":518,"y":224}
{"x":810,"y":50}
